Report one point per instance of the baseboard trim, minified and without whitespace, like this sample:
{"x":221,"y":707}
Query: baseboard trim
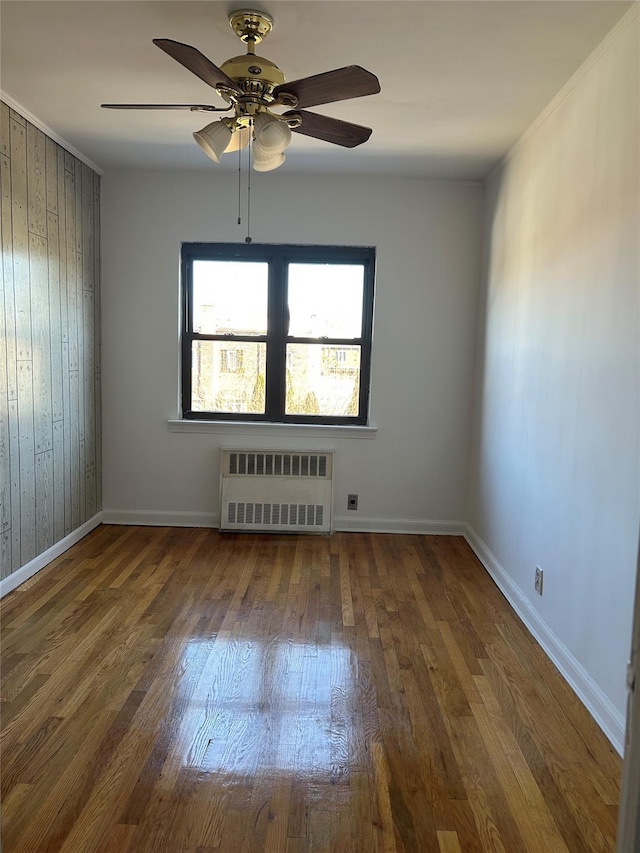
{"x":159,"y":518}
{"x":345,"y":524}
{"x":155,"y":518}
{"x":34,"y":566}
{"x":604,"y":712}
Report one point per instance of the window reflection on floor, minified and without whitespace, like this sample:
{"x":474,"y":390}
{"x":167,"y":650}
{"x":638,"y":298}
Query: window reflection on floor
{"x":248,"y":705}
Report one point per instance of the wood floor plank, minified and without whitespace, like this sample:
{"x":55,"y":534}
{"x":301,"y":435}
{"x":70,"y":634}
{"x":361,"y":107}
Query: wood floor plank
{"x":174,"y":690}
{"x":522,"y":793}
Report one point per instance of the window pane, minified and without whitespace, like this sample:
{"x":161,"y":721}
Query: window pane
{"x":228,"y":377}
{"x":323,"y":380}
{"x":230,"y":297}
{"x":325,"y":300}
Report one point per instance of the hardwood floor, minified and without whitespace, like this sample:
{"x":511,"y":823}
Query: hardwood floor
{"x":178,"y":690}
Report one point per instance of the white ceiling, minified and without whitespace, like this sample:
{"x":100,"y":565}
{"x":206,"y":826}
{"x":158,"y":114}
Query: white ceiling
{"x":461,"y":79}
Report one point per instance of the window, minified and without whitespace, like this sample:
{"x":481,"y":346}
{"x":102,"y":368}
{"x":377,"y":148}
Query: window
{"x":276,"y":333}
{"x":231,"y":360}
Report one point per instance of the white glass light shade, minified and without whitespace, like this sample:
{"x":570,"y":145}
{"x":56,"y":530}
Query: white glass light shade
{"x":266,"y":161}
{"x":213,"y":139}
{"x":269,"y":165}
{"x":273,"y":135}
{"x":239,"y":140}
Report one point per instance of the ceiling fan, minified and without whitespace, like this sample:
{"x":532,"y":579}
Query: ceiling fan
{"x":253,"y":86}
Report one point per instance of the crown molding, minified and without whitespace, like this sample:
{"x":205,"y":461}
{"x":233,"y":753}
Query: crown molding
{"x":35,"y":121}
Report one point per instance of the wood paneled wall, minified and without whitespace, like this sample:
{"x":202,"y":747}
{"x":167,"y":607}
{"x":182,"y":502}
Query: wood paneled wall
{"x":50,"y":477}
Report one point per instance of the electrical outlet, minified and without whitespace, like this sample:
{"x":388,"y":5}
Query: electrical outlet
{"x":538,"y":580}
{"x":352,"y":502}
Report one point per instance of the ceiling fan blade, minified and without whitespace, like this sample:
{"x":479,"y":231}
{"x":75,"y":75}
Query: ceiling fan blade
{"x":330,"y":129}
{"x":205,"y":108}
{"x":197,"y":63}
{"x":339,"y":85}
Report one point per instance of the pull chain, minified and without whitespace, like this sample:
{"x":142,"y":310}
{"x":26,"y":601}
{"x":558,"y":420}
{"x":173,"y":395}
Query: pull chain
{"x":247,"y":239}
{"x":239,"y":181}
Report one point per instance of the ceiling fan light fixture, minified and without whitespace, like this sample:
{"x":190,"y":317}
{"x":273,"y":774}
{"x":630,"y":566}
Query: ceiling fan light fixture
{"x":214,"y":139}
{"x":239,"y":140}
{"x":272,"y":134}
{"x":266,"y":161}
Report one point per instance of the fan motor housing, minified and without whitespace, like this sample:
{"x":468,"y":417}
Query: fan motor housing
{"x":254,"y":74}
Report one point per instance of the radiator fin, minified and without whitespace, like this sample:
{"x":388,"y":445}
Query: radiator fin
{"x":268,"y":515}
{"x":278,"y":464}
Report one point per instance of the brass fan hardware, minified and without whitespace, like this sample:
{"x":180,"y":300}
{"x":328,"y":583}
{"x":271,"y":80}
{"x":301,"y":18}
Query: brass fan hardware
{"x":250,"y":26}
{"x":253,"y":87}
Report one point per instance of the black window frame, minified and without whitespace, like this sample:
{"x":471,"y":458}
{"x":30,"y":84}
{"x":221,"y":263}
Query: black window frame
{"x":278,"y":257}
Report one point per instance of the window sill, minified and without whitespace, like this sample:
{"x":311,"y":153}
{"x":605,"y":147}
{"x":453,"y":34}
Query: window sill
{"x":259,"y":428}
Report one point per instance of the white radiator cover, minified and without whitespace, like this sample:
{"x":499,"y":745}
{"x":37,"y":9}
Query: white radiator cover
{"x":276,"y":490}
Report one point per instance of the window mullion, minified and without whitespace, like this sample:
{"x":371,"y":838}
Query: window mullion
{"x":275,"y":386}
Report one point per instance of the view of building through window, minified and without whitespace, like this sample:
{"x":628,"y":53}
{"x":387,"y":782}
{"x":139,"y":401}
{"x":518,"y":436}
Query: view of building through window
{"x":230,"y":300}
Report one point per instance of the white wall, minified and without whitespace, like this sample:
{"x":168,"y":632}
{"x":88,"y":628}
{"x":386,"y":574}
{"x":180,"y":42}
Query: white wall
{"x":428,"y":237}
{"x":556,"y":461}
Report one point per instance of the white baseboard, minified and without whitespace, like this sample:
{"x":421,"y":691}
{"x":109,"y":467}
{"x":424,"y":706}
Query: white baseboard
{"x":345,"y":523}
{"x":604,"y":712}
{"x":154,"y":518}
{"x":33,"y":566}
{"x":158,"y":518}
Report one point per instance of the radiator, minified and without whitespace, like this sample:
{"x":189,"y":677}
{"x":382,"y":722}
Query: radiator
{"x":276,"y":490}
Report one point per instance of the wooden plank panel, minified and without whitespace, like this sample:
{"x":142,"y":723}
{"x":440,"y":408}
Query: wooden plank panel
{"x":80,"y":340}
{"x":78,"y":205}
{"x":36,"y":181}
{"x":96,"y":342}
{"x":69,"y":162}
{"x":71,"y":270}
{"x":44,"y":501}
{"x":52,"y":175}
{"x":41,"y":345}
{"x":5,"y":553}
{"x":96,"y":245}
{"x":55,"y":317}
{"x":8,"y":306}
{"x":91,"y":494}
{"x":20,"y":241}
{"x":5,"y":120}
{"x":89,"y":374}
{"x":14,"y":448}
{"x":5,"y":465}
{"x":87,"y":228}
{"x":15,"y":116}
{"x":27,"y":462}
{"x":66,"y":409}
{"x":6,"y":239}
{"x":82,"y":485}
{"x":74,"y":456}
{"x":64,"y":468}
{"x":59,"y":475}
{"x":62,"y":244}
{"x":98,"y":404}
